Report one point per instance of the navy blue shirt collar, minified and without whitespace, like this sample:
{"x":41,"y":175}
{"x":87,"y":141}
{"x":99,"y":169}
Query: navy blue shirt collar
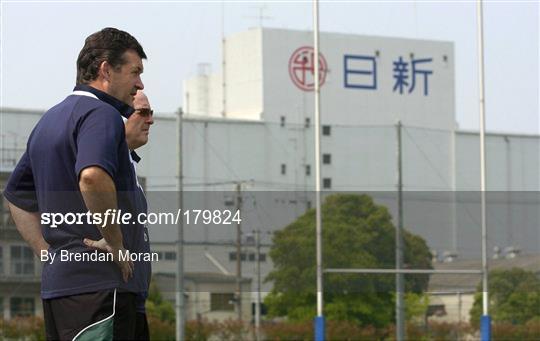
{"x":124,"y":109}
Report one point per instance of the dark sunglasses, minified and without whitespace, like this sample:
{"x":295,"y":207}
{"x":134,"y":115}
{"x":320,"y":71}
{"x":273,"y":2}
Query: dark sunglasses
{"x":145,"y":112}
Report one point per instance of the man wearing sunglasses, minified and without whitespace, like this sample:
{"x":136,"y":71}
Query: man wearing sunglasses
{"x":137,"y":131}
{"x":137,"y":128}
{"x":138,"y":124}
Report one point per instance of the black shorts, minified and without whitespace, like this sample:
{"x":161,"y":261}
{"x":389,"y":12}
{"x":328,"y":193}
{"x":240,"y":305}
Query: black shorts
{"x":141,"y":328}
{"x":90,"y":317}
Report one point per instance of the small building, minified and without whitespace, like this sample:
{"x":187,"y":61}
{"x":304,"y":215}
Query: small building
{"x":210,"y":296}
{"x":20,"y":270}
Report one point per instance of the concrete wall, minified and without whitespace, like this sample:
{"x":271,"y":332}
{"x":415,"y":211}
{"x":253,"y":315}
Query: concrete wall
{"x":243,"y":75}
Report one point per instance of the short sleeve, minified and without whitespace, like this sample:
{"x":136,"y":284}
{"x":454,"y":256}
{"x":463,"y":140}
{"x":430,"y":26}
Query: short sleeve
{"x":20,"y":188}
{"x":98,"y":138}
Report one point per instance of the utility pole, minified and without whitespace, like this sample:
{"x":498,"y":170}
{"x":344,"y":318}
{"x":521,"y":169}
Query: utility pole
{"x":400,"y":311}
{"x":239,"y":253}
{"x":180,"y":318}
{"x":258,"y":301}
{"x":459,"y":315}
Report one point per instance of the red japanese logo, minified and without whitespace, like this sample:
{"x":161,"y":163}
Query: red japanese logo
{"x":302,"y":66}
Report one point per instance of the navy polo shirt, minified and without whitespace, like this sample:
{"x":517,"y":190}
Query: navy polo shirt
{"x":147,"y":266}
{"x":84,"y":130}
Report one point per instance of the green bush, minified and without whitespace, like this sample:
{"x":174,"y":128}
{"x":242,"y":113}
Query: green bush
{"x":29,"y":328}
{"x":508,"y":331}
{"x":200,"y":330}
{"x":514,"y":297}
{"x":203,"y":330}
{"x":161,"y":330}
{"x":288,"y":331}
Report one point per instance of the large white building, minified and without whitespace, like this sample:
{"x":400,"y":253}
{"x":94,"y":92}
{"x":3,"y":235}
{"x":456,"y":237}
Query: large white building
{"x":252,"y":123}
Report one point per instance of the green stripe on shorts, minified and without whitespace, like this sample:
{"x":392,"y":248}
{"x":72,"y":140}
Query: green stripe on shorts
{"x":99,"y":332}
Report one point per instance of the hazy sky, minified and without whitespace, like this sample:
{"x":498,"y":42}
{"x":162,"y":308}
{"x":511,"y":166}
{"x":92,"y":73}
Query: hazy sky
{"x":40,"y":42}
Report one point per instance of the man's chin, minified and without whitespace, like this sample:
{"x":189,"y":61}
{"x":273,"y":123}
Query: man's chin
{"x":129,"y":100}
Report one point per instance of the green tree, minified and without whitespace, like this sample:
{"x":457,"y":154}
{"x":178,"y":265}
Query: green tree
{"x":357,"y":233}
{"x":514,"y":296}
{"x":157,"y":307}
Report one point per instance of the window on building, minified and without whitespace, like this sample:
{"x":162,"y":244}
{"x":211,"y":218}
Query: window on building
{"x":326,"y":130}
{"x":232,"y":256}
{"x":308,"y":204}
{"x":221,"y":302}
{"x":1,"y":260}
{"x":5,"y":216}
{"x":170,"y":256}
{"x":262,"y":257}
{"x":326,"y":159}
{"x":308,"y":170}
{"x":21,"y":306}
{"x":327,"y":183}
{"x":282,"y":121}
{"x":308,"y":122}
{"x":250,"y":257}
{"x":22,"y":260}
{"x":283,"y":169}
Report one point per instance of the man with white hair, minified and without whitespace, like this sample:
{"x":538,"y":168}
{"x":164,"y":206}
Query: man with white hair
{"x":137,"y":128}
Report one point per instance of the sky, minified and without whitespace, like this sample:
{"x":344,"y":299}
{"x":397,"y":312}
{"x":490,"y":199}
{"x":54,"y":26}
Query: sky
{"x":40,"y":42}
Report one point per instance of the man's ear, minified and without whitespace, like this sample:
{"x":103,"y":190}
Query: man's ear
{"x":105,"y":70}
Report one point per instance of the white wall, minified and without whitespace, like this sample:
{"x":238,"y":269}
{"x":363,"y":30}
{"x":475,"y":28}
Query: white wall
{"x":348,"y":105}
{"x":243,"y":75}
{"x":513,"y":162}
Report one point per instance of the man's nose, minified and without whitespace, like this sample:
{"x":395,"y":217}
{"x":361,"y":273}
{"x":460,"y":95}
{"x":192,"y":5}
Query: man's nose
{"x":139,"y":84}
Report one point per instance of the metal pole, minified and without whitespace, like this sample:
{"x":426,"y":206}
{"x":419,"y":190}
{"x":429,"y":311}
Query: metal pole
{"x":400,"y":311}
{"x":223,"y":63}
{"x":486,"y":320}
{"x":459,"y":316}
{"x":509,"y":220}
{"x":239,"y":253}
{"x":258,"y":302}
{"x":319,"y":320}
{"x":453,"y":176}
{"x":180,"y":318}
